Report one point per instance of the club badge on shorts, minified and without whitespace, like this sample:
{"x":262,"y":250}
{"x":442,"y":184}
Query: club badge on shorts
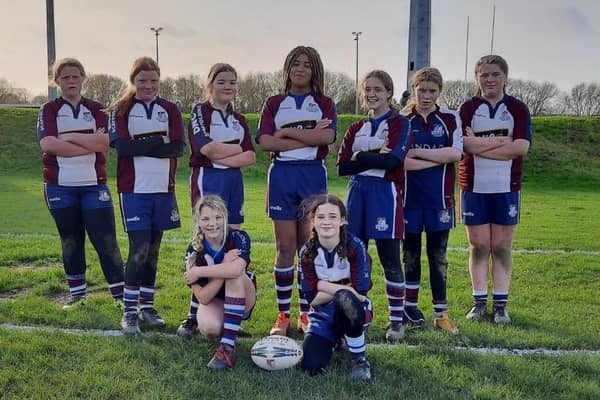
{"x":381,"y":225}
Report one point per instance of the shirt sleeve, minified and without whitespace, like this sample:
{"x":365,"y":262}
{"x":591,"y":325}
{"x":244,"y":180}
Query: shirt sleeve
{"x":199,"y":137}
{"x":308,"y":277}
{"x":246,"y":139}
{"x":242,"y":243}
{"x":266,"y":124}
{"x":400,"y":140}
{"x":176,"y":130}
{"x":46,"y":124}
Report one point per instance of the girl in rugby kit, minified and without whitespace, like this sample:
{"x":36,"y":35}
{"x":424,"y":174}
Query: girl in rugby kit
{"x":436,"y":144}
{"x":497,"y":134}
{"x":216,"y":269}
{"x":336,"y":276}
{"x":220,"y":142}
{"x":296,"y":127}
{"x":71,"y":131}
{"x":373,"y":152}
{"x":147,"y":132}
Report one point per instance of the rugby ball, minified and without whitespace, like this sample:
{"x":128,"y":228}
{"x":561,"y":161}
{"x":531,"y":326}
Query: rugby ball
{"x":276,"y":352}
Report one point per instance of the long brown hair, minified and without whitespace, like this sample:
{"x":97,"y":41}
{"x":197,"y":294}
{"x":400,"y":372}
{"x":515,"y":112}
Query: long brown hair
{"x":317,"y":77}
{"x":491,"y":59}
{"x":124,"y":102}
{"x":312,"y":245}
{"x":388,"y":84}
{"x":215,"y":70}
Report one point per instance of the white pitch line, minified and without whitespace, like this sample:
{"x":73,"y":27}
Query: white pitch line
{"x":478,"y":350}
{"x":542,"y":251}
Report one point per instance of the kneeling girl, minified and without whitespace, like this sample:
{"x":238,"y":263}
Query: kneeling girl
{"x":216,"y":268}
{"x":335,"y":275}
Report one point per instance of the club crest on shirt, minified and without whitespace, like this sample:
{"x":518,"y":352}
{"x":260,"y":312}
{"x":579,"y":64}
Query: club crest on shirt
{"x":381,"y":225}
{"x":174,"y":215}
{"x":161,"y":116}
{"x":312,"y":107}
{"x":343,"y":264}
{"x":235,"y":124}
{"x":437,"y":131}
{"x":103,"y":195}
{"x":505,"y":116}
{"x":87,"y":116}
{"x":512,"y":210}
{"x":445,"y":217}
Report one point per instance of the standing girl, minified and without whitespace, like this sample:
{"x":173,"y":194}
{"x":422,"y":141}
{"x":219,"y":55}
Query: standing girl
{"x":429,"y":195}
{"x":336,"y":275}
{"x":497,"y":136}
{"x":296,"y":127}
{"x":220,"y":141}
{"x":373,"y":152}
{"x":216,"y":268}
{"x":71,"y":131}
{"x":147,"y":132}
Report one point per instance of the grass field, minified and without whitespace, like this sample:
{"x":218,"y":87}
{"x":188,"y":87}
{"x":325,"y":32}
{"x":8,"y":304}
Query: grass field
{"x":554,"y":298}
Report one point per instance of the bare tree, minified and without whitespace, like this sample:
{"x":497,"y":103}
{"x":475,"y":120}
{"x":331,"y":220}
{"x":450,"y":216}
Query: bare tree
{"x":103,"y":88}
{"x":456,"y":92}
{"x":537,"y":96}
{"x":188,"y":91}
{"x":338,"y":85}
{"x":583,"y":100}
{"x":39,"y":99}
{"x":254,"y":88}
{"x":167,"y":89}
{"x":9,"y":94}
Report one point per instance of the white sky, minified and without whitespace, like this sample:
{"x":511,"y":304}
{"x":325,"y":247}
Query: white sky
{"x":551,"y":40}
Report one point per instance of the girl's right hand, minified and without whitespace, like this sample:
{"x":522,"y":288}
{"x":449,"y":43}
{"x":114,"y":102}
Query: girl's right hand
{"x":232,"y":255}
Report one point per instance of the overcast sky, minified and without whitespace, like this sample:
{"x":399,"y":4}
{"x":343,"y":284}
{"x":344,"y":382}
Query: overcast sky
{"x":551,"y":40}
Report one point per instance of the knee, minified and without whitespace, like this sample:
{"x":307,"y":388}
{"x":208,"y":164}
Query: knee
{"x":502,"y":251}
{"x":209,"y":328}
{"x":139,"y":255}
{"x":411,"y":259}
{"x":235,"y":284}
{"x":479,"y":250}
{"x":285,"y":254}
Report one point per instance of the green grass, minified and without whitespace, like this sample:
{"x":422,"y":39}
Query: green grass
{"x":549,"y":291}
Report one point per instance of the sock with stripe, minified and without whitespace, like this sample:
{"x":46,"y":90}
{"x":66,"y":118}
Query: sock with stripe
{"x":500,"y":299}
{"x":284,"y":283}
{"x":357,"y":346}
{"x":395,"y":295}
{"x":77,"y":285}
{"x":480,"y":296}
{"x":146,"y":297}
{"x":440,"y":307}
{"x":193,"y":312}
{"x":412,"y":294}
{"x":116,"y":290}
{"x":233,"y":310}
{"x":130,"y":299}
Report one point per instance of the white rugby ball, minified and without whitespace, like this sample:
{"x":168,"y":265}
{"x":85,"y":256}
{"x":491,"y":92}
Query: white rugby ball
{"x":276,"y":352}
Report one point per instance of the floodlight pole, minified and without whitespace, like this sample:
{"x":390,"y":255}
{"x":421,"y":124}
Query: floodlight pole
{"x":356,"y":36}
{"x":51,"y":46}
{"x":156,"y":33}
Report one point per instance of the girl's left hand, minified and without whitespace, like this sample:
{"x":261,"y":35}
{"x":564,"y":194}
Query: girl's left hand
{"x":192,"y":275}
{"x":323,"y":124}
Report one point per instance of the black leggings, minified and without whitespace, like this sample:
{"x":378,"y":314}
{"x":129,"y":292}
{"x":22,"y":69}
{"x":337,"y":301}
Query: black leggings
{"x":349,"y":317}
{"x":388,"y":251}
{"x":99,"y":223}
{"x":437,"y":243}
{"x":142,"y":262}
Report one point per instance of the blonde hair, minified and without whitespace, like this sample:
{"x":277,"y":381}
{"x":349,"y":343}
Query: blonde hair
{"x":317,"y":77}
{"x":215,"y":203}
{"x":59,"y":65}
{"x":426,"y":74}
{"x":126,"y":99}
{"x":215,"y":70}
{"x":385,"y":78}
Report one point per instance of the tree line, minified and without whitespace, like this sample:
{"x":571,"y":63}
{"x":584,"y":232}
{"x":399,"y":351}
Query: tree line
{"x":542,"y":98}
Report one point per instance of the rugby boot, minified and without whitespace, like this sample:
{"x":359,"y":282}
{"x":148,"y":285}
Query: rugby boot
{"x":444,"y":323}
{"x":414,"y":317}
{"x":224,"y":358}
{"x":150,"y":317}
{"x":361,"y":369}
{"x":187,"y":328}
{"x":281,"y":325}
{"x":477,"y":311}
{"x":395,"y":331}
{"x":501,"y":316}
{"x":129,"y":324}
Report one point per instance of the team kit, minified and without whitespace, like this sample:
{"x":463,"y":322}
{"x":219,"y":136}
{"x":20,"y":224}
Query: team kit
{"x":402,"y":174}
